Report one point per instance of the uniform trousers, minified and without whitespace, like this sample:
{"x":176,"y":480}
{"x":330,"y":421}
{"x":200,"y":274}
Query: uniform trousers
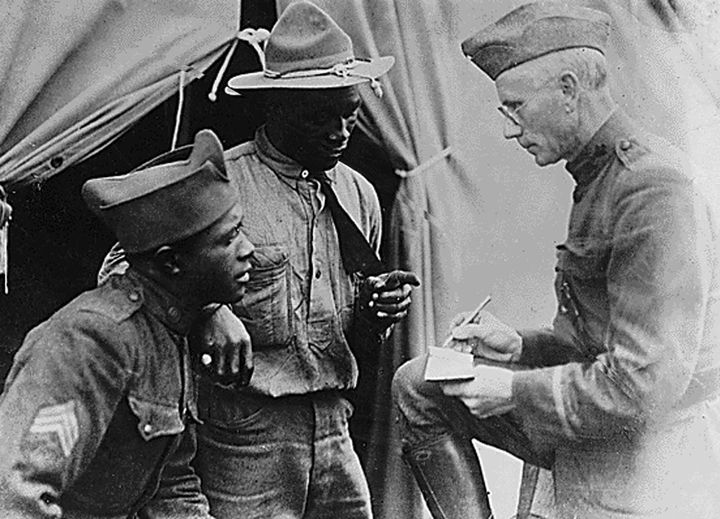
{"x":670,"y":471}
{"x":282,"y":458}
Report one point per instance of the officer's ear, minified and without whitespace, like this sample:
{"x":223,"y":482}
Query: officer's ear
{"x":167,"y":259}
{"x":570,"y":86}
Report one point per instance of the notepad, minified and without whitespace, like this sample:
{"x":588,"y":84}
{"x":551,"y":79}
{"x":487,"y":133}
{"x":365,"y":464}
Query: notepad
{"x":448,"y":364}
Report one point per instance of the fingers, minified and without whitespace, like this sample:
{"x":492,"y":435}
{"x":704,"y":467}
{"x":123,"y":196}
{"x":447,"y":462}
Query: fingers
{"x":233,"y":357}
{"x":247,"y":367}
{"x":455,"y":388}
{"x":401,"y":277}
{"x":469,"y":331}
{"x":232,"y":365}
{"x":221,"y":364}
{"x":461,"y":346}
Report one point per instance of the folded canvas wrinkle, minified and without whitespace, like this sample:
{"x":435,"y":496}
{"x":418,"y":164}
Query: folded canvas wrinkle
{"x":425,"y":165}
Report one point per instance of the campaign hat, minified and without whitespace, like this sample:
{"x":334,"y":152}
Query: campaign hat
{"x":307,"y":49}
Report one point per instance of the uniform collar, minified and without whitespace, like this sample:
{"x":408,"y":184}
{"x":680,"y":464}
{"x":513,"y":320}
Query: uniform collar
{"x":161,"y":303}
{"x":600,"y":149}
{"x":280,"y":163}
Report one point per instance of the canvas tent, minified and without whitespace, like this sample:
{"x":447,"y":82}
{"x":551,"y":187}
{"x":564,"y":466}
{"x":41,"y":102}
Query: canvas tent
{"x":75,"y":74}
{"x":472,"y":214}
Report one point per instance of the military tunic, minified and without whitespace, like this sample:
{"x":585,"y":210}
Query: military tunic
{"x":628,"y":386}
{"x":95,"y":419}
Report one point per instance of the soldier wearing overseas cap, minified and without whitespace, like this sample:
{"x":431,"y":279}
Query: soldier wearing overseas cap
{"x":281,"y":447}
{"x":96,"y":419}
{"x":620,"y":397}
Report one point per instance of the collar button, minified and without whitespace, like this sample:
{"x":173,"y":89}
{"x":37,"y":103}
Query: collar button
{"x":304,"y":173}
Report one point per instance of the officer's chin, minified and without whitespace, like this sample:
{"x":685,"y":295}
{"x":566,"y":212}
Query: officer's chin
{"x":544,"y":160}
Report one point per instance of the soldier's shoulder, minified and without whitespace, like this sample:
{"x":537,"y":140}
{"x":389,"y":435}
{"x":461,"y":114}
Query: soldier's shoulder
{"x":349,"y":175}
{"x":116,"y":300}
{"x":243,"y":149}
{"x":648,"y":158}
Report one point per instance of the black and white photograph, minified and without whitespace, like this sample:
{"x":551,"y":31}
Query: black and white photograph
{"x":390,"y":259}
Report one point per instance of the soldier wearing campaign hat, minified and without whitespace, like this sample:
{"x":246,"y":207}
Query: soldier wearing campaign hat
{"x":281,"y":446}
{"x":97,"y":416}
{"x":619,"y":399}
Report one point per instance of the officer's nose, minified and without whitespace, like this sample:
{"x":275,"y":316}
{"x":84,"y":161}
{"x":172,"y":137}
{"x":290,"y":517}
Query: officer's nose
{"x":511,"y":129}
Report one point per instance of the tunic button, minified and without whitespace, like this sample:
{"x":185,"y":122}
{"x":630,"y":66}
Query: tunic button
{"x":173,"y":313}
{"x":317,"y":275}
{"x":625,"y":145}
{"x":147,"y":428}
{"x":304,"y":174}
{"x":134,"y":297}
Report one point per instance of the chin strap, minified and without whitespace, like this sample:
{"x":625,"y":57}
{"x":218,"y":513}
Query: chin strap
{"x":5,"y":217}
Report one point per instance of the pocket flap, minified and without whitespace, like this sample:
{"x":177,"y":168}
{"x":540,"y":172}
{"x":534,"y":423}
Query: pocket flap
{"x":581,"y":263}
{"x":156,"y":419}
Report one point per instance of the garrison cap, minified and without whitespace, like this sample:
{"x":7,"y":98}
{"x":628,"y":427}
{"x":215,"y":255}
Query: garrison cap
{"x":164,"y":202}
{"x":534,"y":30}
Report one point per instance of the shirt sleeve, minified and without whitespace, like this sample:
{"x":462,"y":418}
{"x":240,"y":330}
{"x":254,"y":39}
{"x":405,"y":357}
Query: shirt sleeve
{"x":58,"y":401}
{"x":542,"y":348}
{"x":179,"y":495}
{"x":658,"y":286}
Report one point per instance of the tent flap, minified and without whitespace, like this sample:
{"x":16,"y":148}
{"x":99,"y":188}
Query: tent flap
{"x":76,"y":75}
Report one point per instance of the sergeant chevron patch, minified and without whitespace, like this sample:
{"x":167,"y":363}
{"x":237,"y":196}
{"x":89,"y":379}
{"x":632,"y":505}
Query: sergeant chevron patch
{"x":59,"y":419}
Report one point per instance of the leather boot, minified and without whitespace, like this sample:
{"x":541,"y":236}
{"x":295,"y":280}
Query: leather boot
{"x":450,"y":478}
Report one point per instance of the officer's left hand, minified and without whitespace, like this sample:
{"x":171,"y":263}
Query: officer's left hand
{"x":489,"y":393}
{"x":224,"y":348}
{"x":385,"y":299}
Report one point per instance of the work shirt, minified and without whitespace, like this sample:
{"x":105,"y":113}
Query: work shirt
{"x":630,"y":372}
{"x":95,"y":416}
{"x":299,"y":304}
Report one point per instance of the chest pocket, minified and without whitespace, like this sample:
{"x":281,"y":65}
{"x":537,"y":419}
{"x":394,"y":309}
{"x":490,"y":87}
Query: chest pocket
{"x":585,"y":263}
{"x":155,"y":420}
{"x":266,"y":309}
{"x":581,"y":288}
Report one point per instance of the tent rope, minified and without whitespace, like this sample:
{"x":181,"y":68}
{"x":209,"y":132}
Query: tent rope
{"x":5,"y":217}
{"x":223,"y":68}
{"x":447,"y":152}
{"x":178,"y":114}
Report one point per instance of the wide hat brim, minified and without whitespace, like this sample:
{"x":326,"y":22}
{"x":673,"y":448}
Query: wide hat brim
{"x":362,"y":72}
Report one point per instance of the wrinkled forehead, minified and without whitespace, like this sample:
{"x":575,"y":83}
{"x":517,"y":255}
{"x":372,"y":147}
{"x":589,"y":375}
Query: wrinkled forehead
{"x":529,"y":76}
{"x":520,"y":81}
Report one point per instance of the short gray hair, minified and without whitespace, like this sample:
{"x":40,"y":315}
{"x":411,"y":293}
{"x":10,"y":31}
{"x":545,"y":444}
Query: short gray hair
{"x":588,"y":64}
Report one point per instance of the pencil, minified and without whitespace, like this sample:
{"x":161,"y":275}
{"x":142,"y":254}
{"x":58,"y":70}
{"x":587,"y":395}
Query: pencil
{"x":469,"y":318}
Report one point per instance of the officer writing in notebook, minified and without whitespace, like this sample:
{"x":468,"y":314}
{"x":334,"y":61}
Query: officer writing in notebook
{"x":620,"y":397}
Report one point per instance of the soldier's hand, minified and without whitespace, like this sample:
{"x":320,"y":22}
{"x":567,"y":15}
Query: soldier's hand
{"x":385,"y":299}
{"x":486,"y":336}
{"x":223,"y":346}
